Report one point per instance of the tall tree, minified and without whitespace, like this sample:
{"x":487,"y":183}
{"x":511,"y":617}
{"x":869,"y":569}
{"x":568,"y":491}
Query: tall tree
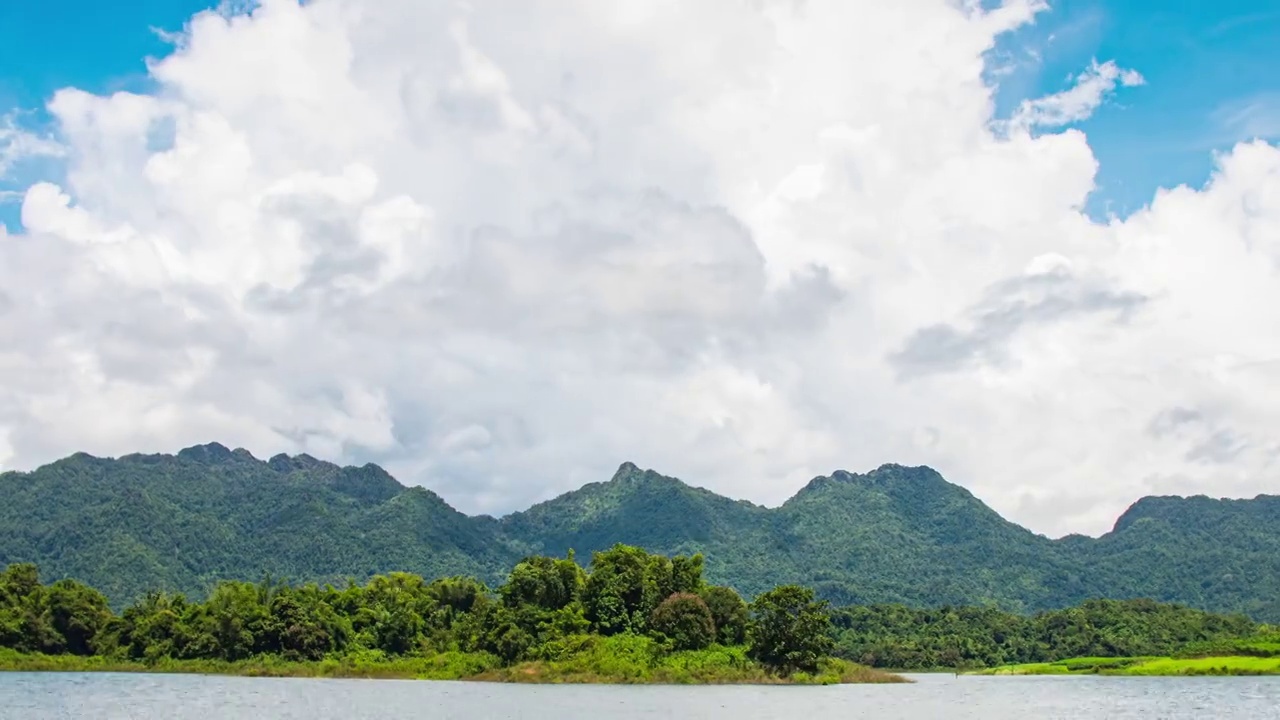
{"x":728,"y":612}
{"x":789,"y":630}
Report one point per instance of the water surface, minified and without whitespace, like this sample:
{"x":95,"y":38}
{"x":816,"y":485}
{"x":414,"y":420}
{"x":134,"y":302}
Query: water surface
{"x":102,"y":696}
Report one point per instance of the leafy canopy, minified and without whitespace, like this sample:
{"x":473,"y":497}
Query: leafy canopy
{"x":789,"y":630}
{"x":685,"y":620}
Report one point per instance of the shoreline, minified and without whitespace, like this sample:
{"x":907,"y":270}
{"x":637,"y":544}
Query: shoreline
{"x":1211,"y":666}
{"x":444,"y":667}
{"x":464,"y":667}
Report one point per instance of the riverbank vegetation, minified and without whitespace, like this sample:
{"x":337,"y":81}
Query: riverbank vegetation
{"x":970,"y":638}
{"x":632,"y":617}
{"x":629,"y":617}
{"x":1253,"y":655}
{"x":1162,"y":666}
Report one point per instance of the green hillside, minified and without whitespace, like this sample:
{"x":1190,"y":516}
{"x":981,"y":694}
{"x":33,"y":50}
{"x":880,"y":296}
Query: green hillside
{"x":1203,"y":552}
{"x":893,"y":535}
{"x":665,"y":516}
{"x":183,"y":522}
{"x":906,"y":535}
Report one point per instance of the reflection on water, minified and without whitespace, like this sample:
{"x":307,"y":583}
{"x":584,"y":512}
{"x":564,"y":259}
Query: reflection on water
{"x":45,"y":696}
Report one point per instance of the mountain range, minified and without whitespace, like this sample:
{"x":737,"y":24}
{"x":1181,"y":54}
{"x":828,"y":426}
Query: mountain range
{"x":896,"y":534}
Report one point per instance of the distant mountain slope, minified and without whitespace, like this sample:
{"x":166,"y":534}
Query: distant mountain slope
{"x":895,"y":534}
{"x":159,"y":521}
{"x":1220,"y":554}
{"x":663,"y":515}
{"x":901,"y":534}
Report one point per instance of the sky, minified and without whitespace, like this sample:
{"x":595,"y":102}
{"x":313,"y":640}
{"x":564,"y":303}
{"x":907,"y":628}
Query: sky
{"x":501,"y":247}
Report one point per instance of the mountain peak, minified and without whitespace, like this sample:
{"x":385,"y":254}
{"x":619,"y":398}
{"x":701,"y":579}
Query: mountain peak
{"x":916,"y":491}
{"x":370,"y":483}
{"x":910,"y":472}
{"x":627,"y":471}
{"x":302,"y":461}
{"x":209,"y":453}
{"x":1172,"y":510}
{"x":887,"y":475}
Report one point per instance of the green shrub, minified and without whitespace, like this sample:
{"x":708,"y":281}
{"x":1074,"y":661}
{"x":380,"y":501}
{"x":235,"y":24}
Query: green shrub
{"x":728,"y":612}
{"x":685,"y":620}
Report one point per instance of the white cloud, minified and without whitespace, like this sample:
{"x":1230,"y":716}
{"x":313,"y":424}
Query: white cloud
{"x":1088,"y":91}
{"x":504,"y":247}
{"x":18,"y":144}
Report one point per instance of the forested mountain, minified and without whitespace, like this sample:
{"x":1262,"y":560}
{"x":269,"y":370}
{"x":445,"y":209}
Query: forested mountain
{"x":907,"y":535}
{"x":896,"y":534}
{"x":145,"y":522}
{"x":1203,"y":552}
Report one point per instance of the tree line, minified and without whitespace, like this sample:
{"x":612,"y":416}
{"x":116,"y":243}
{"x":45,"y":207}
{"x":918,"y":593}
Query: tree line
{"x":547,"y":606}
{"x":895,"y":636}
{"x":543,"y":611}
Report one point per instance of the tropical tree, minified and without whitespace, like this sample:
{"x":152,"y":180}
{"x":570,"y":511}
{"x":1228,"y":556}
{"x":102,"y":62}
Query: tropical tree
{"x":728,"y":612}
{"x":789,"y":630}
{"x":622,"y":590}
{"x":78,"y":613}
{"x":543,"y":582}
{"x":685,"y":620}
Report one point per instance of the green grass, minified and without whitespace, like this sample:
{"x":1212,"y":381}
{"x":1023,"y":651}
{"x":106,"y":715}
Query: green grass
{"x":632,"y":659}
{"x":1265,"y":646}
{"x":443,"y":666}
{"x":621,"y":659}
{"x":1233,"y":665}
{"x":1162,"y":666}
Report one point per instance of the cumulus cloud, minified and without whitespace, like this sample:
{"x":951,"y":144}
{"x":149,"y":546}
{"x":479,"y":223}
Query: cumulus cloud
{"x":18,"y":144}
{"x":1048,"y":293}
{"x":502,"y":247}
{"x":1088,"y":91}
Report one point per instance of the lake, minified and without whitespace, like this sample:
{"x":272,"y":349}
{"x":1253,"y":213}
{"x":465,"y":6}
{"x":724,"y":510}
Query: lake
{"x":94,"y":696}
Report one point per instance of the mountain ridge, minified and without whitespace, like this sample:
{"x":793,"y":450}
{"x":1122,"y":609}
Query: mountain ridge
{"x":217,"y":453}
{"x":893,"y":534}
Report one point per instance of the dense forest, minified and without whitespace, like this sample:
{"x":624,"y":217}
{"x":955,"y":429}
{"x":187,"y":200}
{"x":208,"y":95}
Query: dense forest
{"x":632,"y":616}
{"x":896,"y":535}
{"x":894,"y":636}
{"x":548,"y":610}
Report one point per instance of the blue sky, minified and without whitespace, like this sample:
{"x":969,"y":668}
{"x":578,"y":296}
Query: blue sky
{"x":48,"y":44}
{"x":1209,"y":66}
{"x":97,"y":46}
{"x":1211,"y":79}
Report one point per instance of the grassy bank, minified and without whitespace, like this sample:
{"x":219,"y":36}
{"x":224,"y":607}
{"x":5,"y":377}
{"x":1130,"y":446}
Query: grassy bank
{"x":1152,"y":666}
{"x":714,"y":666}
{"x":444,"y":666}
{"x":613,"y":661}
